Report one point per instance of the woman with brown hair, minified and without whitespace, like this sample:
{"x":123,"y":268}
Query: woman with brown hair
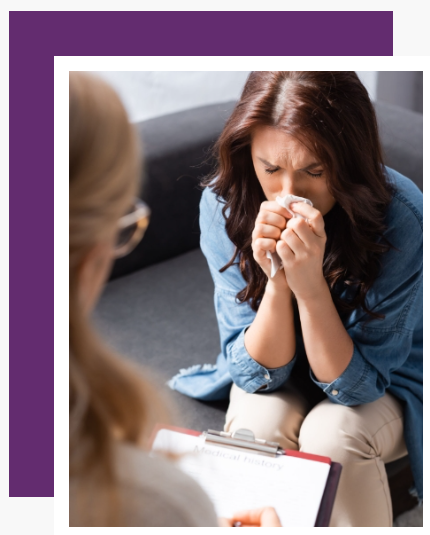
{"x":315,"y":249}
{"x":113,"y":408}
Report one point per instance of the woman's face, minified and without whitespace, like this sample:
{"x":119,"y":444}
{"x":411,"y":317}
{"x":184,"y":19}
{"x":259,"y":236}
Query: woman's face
{"x":284,"y":166}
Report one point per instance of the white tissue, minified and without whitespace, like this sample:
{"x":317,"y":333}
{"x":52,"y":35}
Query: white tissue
{"x":285,"y":202}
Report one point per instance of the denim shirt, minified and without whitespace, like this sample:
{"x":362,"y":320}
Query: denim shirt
{"x":387,"y":353}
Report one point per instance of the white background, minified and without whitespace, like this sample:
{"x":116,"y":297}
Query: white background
{"x":36,"y":515}
{"x":62,"y":66}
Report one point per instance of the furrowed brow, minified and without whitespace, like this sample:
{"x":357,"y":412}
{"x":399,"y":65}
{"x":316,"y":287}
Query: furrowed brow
{"x":311,"y":166}
{"x":267,"y":163}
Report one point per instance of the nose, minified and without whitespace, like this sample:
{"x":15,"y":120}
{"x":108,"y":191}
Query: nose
{"x":288,"y":185}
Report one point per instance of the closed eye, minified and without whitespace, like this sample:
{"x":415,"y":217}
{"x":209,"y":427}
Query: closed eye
{"x":271,"y":171}
{"x":314,"y":175}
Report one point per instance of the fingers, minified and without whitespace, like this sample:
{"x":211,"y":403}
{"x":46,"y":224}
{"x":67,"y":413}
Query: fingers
{"x":274,"y":207}
{"x":293,"y":241}
{"x":271,"y":218}
{"x":285,"y":252}
{"x":251,"y":516}
{"x":270,"y":222}
{"x":265,"y":244}
{"x":301,"y":229}
{"x":264,"y":517}
{"x":314,"y":217}
{"x":309,"y":242}
{"x":260,"y":247}
{"x":225,"y":522}
{"x":266,"y":231}
{"x":269,"y":518}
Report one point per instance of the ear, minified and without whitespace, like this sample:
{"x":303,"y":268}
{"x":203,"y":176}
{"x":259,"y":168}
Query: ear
{"x":92,"y":274}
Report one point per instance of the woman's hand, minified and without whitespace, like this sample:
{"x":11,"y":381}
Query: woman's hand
{"x":301,"y":249}
{"x":271,"y":221}
{"x":265,"y":517}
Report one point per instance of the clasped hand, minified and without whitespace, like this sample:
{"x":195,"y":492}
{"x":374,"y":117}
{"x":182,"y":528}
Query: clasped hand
{"x":300,"y":244}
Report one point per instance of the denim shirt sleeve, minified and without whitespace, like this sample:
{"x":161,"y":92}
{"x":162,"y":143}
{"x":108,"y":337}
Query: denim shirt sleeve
{"x":233,"y":317}
{"x":382,"y":346}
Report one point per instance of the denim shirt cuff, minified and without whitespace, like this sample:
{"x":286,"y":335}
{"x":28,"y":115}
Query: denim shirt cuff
{"x":347,"y":388}
{"x":251,"y":376}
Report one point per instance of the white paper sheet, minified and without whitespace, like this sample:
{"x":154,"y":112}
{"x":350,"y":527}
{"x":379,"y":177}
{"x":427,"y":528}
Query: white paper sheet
{"x":237,"y":480}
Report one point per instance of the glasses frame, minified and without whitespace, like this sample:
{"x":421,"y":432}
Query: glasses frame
{"x":139,"y":217}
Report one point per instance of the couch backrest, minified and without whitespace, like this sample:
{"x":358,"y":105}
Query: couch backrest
{"x":401,"y":133}
{"x":176,"y":156}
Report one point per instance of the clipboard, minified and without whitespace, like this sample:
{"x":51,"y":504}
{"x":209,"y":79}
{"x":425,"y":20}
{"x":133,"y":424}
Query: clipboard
{"x":244,"y":440}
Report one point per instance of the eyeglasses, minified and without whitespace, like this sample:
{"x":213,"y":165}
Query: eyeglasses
{"x":131,"y":228}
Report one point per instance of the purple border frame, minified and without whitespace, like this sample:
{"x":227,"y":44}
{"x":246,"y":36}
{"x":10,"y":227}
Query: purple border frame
{"x":35,"y":38}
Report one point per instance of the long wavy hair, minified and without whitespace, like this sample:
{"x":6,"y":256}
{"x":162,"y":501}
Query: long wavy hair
{"x":332,"y":115}
{"x":110,"y":400}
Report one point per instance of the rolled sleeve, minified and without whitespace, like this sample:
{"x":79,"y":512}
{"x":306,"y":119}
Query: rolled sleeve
{"x":352,"y":387}
{"x":248,"y":374}
{"x":377,"y":354}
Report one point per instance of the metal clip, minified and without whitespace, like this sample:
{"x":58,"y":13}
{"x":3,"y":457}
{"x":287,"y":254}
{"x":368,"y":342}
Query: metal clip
{"x":243,"y":439}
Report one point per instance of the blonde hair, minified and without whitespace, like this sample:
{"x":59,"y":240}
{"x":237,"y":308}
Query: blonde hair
{"x":109,"y":401}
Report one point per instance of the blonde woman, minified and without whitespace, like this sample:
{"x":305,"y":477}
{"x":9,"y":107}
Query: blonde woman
{"x":113,"y":480}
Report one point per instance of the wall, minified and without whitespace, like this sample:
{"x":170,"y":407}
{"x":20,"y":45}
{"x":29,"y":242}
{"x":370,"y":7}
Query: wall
{"x":148,"y":94}
{"x":402,"y":88}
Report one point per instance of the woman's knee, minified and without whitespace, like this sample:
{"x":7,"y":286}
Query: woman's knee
{"x":275,"y":416}
{"x":336,"y":431}
{"x":266,"y":428}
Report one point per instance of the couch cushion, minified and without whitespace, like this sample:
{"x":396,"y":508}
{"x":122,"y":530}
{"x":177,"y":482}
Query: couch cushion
{"x":163,"y":317}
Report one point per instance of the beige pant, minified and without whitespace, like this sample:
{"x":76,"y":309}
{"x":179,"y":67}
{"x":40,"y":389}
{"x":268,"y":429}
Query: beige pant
{"x":361,"y":438}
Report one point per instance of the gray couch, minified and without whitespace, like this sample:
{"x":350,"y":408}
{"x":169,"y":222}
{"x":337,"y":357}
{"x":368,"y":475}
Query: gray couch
{"x":157,"y":308}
